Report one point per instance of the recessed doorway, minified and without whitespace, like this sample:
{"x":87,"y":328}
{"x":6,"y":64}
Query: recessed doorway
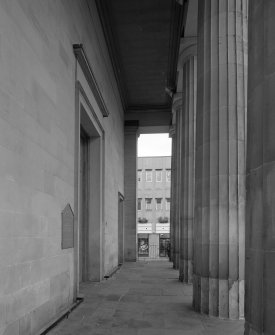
{"x":89,"y":196}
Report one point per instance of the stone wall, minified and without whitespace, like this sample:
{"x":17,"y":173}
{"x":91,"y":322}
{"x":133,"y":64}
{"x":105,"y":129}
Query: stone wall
{"x":37,"y":143}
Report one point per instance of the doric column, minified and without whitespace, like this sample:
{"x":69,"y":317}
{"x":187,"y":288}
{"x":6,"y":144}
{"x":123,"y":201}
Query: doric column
{"x":220,"y":158}
{"x":172,"y":135}
{"x":130,"y":190}
{"x":188,"y":63}
{"x":260,"y":178}
{"x":177,"y":106}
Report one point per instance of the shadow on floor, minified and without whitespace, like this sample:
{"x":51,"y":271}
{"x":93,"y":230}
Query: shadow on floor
{"x":143,"y":298}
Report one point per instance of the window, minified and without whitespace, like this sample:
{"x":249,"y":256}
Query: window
{"x":158,"y":204}
{"x":168,"y":204}
{"x":139,"y":204}
{"x":139,"y":176}
{"x":148,"y":204}
{"x":158,"y":175}
{"x":168,"y":175}
{"x":148,"y":175}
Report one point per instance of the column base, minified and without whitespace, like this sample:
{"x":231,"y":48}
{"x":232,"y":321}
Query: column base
{"x":249,"y":331}
{"x":218,"y":297}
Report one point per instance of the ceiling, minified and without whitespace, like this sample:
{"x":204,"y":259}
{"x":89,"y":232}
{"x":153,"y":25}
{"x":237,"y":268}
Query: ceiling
{"x":143,"y":40}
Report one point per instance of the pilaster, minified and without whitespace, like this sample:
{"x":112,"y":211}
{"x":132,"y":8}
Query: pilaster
{"x":130,"y":190}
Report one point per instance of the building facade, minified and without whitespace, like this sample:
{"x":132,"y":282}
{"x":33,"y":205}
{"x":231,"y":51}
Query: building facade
{"x":153,"y":206}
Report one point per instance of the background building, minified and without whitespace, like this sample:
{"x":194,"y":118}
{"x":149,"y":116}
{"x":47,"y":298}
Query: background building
{"x":153,"y":206}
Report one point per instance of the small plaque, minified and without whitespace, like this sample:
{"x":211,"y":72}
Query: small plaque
{"x":67,"y":217}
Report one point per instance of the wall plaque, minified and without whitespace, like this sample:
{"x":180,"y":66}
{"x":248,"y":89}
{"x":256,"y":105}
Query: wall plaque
{"x":67,"y":217}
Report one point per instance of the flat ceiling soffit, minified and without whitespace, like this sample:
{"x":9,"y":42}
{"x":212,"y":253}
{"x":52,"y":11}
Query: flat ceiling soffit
{"x":135,"y":23}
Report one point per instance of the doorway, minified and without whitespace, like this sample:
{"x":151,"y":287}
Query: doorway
{"x":83,"y":205}
{"x":89,"y":167}
{"x":120,"y":229}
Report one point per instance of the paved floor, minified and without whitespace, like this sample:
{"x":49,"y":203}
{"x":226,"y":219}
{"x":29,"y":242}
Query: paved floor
{"x":143,"y":298}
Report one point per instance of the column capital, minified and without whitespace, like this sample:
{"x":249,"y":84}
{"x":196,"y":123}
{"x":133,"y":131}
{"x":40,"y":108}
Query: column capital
{"x":188,"y":48}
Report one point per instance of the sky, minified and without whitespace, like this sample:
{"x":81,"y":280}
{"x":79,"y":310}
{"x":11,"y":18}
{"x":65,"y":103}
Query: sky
{"x":154,"y":145}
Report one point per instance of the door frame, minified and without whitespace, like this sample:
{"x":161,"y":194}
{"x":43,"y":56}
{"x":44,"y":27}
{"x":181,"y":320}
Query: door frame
{"x":86,"y":118}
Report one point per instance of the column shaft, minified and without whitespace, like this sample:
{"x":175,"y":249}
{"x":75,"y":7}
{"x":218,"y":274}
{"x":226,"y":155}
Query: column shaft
{"x":188,"y":166}
{"x":130,"y":191}
{"x":177,"y":184}
{"x":220,"y":158}
{"x":177,"y":189}
{"x":172,"y":196}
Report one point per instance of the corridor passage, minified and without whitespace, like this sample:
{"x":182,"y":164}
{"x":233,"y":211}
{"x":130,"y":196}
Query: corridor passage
{"x":143,"y":298}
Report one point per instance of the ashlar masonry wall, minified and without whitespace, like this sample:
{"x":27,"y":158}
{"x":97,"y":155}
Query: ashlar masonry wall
{"x":37,"y":143}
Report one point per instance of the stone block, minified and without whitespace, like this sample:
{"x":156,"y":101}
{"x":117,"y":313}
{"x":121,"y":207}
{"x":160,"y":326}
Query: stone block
{"x":59,"y":284}
{"x":204,"y":294}
{"x":41,"y":316}
{"x":233,"y":299}
{"x":213,"y":296}
{"x":268,"y":291}
{"x":25,"y":325}
{"x":223,"y":298}
{"x":241,"y":299}
{"x":12,"y":329}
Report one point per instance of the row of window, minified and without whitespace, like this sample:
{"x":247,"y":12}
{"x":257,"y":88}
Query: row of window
{"x":158,"y":175}
{"x":149,"y":203}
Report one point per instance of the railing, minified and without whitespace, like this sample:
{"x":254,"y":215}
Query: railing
{"x":153,"y":252}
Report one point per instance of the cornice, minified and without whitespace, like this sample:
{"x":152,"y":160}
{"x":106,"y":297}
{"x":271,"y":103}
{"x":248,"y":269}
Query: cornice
{"x":175,"y":35}
{"x":89,"y":75}
{"x":111,"y":42}
{"x":149,"y":108}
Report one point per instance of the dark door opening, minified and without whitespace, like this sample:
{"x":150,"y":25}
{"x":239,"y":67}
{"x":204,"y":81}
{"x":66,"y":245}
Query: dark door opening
{"x":84,"y":207}
{"x":120,"y":229}
{"x":164,"y":247}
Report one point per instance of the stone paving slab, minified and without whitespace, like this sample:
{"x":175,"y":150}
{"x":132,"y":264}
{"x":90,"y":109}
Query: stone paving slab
{"x":143,"y":298}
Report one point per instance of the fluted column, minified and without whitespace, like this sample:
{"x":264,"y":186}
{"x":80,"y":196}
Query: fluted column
{"x":260,"y":206}
{"x":188,"y":61}
{"x":172,"y":134}
{"x":220,"y":158}
{"x":177,"y":107}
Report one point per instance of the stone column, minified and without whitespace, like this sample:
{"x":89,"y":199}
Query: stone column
{"x":220,"y":158}
{"x":188,"y":62}
{"x":130,"y":190}
{"x":172,"y":134}
{"x":260,"y":178}
{"x":177,"y":105}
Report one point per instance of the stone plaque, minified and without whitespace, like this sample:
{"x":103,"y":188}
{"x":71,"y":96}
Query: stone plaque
{"x":67,"y":217}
